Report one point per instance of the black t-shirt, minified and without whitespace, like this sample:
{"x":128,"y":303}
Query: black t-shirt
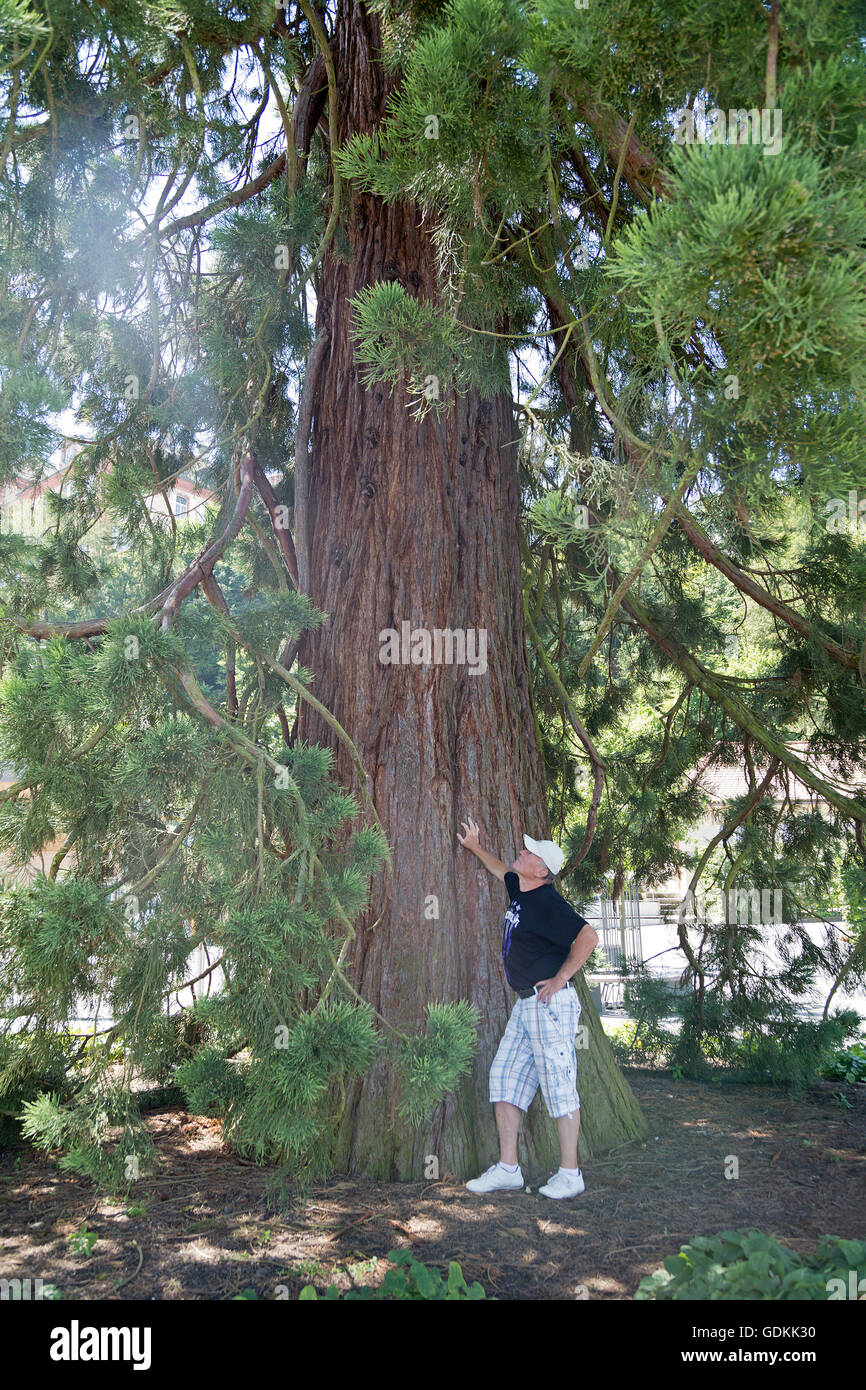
{"x":539,"y":929}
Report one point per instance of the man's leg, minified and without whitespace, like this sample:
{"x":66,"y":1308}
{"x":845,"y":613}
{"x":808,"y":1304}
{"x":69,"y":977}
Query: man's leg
{"x":508,"y":1124}
{"x":513,"y":1083}
{"x":552,"y":1029}
{"x":567,"y":1128}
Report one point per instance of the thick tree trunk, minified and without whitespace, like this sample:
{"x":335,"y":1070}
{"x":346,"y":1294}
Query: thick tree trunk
{"x":419,"y":523}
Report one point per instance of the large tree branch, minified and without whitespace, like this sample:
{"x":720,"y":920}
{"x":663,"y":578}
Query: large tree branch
{"x":169,"y":600}
{"x":641,"y":168}
{"x":228,"y":200}
{"x":308,"y":107}
{"x":333,"y":97}
{"x":88,"y":627}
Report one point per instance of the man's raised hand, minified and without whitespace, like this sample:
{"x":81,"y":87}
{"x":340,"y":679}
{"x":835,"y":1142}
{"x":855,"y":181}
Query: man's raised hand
{"x":469,"y":839}
{"x":471,"y":833}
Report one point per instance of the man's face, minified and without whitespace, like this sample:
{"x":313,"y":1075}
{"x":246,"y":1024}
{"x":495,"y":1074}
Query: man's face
{"x":529,"y":865}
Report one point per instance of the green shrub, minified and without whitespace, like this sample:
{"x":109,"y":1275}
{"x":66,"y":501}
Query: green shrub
{"x":795,"y":1052}
{"x":752,"y":1265}
{"x":30,"y":1063}
{"x":411,"y":1280}
{"x":848,"y":1064}
{"x":763,"y":1042}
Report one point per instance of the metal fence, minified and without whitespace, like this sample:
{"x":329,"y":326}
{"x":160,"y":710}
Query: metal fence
{"x":618,"y":925}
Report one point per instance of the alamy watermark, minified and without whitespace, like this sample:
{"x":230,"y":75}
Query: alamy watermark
{"x":77,"y":1343}
{"x":855,"y":1288}
{"x":25,"y":1290}
{"x":439,"y":647}
{"x":843,"y":512}
{"x":742,"y":907}
{"x":694,"y":126}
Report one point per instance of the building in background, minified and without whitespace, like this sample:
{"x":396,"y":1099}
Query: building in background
{"x":25,"y":510}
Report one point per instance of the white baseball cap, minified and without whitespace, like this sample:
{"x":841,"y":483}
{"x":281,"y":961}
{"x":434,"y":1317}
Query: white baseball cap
{"x":548,"y":851}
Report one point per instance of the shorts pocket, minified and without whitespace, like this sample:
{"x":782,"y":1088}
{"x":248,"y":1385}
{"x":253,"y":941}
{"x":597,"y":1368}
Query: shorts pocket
{"x":565,"y":1016}
{"x":562,"y":1059}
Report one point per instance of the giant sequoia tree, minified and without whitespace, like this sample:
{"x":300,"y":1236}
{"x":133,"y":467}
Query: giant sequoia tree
{"x":463,"y":340}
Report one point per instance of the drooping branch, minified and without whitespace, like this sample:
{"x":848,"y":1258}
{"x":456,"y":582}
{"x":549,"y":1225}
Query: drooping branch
{"x":857,"y":956}
{"x":175,"y":841}
{"x":740,"y":713}
{"x":217,"y":598}
{"x":747,"y":585}
{"x":302,"y":459}
{"x":171,"y":597}
{"x":733,"y":824}
{"x":640,"y":453}
{"x":279,"y":520}
{"x":192,"y":688}
{"x":89,"y":743}
{"x":714,"y":687}
{"x":624,"y":585}
{"x":724,"y":834}
{"x":251,"y":752}
{"x":204,"y":563}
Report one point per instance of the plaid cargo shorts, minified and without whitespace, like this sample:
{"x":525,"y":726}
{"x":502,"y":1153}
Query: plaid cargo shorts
{"x":537,"y":1048}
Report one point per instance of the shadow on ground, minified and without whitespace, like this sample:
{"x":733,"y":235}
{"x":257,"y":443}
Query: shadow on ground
{"x":203,"y":1227}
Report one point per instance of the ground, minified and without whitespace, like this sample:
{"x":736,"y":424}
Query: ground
{"x":203,"y":1229}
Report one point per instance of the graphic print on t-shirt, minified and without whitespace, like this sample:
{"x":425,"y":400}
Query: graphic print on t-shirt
{"x":512,"y":918}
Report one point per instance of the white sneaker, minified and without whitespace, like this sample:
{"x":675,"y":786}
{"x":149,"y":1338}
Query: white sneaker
{"x":562,"y":1186}
{"x":496,"y":1179}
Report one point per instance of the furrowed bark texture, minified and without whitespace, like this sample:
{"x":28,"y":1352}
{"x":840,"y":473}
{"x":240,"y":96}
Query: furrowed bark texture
{"x":418,"y":522}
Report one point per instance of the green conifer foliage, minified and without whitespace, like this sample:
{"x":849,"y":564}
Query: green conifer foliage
{"x":684,"y":330}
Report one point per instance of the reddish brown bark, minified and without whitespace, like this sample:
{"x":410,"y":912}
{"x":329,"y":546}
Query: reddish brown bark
{"x":419,"y":522}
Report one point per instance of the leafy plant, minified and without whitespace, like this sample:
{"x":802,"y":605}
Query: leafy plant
{"x":83,"y":1241}
{"x":410,"y":1280}
{"x":752,"y":1265}
{"x":848,"y":1064}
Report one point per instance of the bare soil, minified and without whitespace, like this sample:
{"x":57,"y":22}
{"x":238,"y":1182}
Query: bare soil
{"x":205,"y":1226}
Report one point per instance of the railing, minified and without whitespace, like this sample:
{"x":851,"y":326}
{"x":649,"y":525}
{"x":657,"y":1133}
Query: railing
{"x":618,"y":925}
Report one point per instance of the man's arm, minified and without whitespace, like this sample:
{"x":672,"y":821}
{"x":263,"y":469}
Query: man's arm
{"x":470,"y":841}
{"x":582,"y":948}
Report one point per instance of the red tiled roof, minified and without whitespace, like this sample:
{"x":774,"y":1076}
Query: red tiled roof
{"x":724,"y":783}
{"x":24,"y":489}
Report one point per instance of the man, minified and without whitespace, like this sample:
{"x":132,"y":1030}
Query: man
{"x":544,"y":942}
